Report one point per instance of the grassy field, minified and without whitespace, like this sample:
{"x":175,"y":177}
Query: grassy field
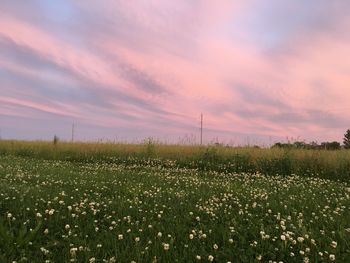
{"x":158,"y":203}
{"x":334,"y":165}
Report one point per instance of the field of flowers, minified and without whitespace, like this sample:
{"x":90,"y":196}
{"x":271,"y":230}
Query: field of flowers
{"x":61,"y":211}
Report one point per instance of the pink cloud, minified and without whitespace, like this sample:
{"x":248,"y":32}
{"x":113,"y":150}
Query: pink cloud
{"x":159,"y":64}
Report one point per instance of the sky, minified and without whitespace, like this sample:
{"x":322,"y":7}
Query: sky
{"x":259,"y":71}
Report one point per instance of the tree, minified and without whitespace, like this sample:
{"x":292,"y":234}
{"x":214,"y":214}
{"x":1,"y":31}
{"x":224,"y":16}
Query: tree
{"x":347,"y":140}
{"x":330,"y":145}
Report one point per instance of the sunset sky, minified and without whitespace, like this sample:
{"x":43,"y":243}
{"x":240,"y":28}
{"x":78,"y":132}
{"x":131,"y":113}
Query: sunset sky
{"x":259,"y":71}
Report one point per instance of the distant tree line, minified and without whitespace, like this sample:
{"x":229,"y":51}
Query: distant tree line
{"x":309,"y":146}
{"x":315,"y":145}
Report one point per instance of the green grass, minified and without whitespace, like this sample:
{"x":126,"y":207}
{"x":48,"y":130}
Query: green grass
{"x":334,"y":165}
{"x":110,"y":208}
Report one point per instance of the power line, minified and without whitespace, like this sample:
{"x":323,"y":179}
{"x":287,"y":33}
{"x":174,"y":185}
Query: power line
{"x":201,"y":128}
{"x":73,"y":128}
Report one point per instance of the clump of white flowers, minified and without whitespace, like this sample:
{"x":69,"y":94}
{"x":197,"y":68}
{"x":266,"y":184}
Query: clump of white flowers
{"x":166,"y":246}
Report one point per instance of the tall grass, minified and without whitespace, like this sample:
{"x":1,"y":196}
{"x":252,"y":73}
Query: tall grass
{"x":315,"y":163}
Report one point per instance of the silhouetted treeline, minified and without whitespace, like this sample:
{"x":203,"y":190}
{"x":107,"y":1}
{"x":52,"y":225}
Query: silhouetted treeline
{"x":309,"y":146}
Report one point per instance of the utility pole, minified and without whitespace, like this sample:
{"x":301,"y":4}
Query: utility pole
{"x":201,"y":128}
{"x":73,"y":127}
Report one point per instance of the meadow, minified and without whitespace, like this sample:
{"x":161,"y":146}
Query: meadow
{"x":334,"y":165}
{"x":159,"y":203}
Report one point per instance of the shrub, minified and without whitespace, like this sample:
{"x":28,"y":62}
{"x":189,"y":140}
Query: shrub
{"x":55,"y":140}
